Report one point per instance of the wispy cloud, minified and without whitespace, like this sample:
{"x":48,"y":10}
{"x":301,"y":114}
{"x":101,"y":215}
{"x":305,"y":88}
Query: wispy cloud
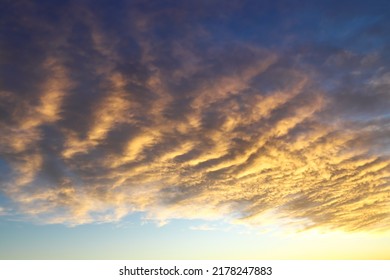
{"x":3,"y":211}
{"x":121,"y":120}
{"x":204,"y":227}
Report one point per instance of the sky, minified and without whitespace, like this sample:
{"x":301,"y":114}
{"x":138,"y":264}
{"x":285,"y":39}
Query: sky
{"x":194,"y":129}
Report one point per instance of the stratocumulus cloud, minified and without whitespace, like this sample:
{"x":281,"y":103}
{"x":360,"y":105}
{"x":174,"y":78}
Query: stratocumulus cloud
{"x":103,"y":118}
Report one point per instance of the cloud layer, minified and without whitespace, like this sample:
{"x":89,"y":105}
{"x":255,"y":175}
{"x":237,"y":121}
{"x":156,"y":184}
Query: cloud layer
{"x":107,"y":110}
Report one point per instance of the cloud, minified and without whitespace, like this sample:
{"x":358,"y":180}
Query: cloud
{"x":3,"y":211}
{"x":204,"y":227}
{"x":175,"y":122}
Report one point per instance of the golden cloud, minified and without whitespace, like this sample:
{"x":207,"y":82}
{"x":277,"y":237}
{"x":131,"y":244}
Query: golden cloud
{"x":231,"y":132}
